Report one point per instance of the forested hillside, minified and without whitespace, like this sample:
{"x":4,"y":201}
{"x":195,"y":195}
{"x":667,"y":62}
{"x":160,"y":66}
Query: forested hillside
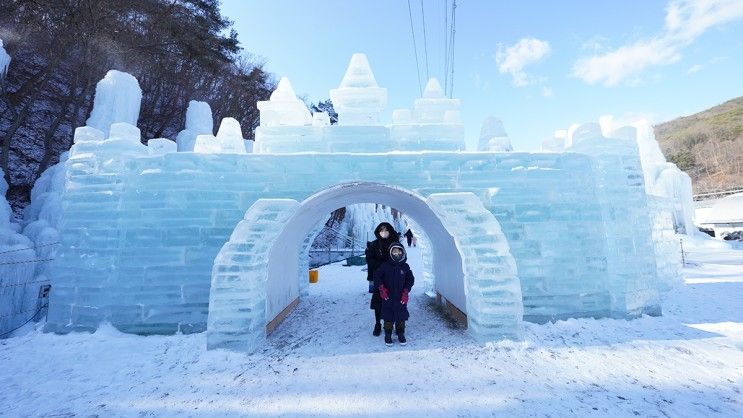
{"x":707,"y":145}
{"x":178,"y":50}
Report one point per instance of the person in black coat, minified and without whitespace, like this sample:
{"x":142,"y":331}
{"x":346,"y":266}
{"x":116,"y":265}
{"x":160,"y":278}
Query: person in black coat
{"x":394,"y":280}
{"x":377,"y":252}
{"x":409,"y":237}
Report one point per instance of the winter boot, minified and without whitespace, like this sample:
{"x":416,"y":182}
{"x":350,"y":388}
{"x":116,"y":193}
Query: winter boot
{"x":400,"y":328}
{"x":388,"y":338}
{"x":377,"y":330}
{"x":388,"y":333}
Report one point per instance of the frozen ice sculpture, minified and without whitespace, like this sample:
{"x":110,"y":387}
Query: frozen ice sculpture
{"x":216,"y":240}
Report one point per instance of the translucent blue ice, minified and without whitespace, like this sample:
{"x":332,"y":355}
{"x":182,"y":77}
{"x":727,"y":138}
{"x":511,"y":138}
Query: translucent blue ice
{"x":157,"y":241}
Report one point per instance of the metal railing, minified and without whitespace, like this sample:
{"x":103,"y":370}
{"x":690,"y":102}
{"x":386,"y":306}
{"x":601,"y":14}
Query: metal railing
{"x":43,"y":287}
{"x":335,"y":253}
{"x":717,"y":194}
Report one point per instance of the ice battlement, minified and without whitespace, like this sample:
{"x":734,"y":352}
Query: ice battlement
{"x":209,"y":234}
{"x":433,"y":124}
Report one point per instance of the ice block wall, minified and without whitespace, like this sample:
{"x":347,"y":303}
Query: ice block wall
{"x":630,"y":253}
{"x":667,"y":243}
{"x":140,"y":231}
{"x":141,"y":225}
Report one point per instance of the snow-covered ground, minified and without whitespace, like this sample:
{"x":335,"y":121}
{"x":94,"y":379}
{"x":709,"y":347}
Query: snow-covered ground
{"x":323,"y":360}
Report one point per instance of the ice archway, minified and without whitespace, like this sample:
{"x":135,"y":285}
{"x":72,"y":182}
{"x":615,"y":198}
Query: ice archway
{"x":247,"y":293}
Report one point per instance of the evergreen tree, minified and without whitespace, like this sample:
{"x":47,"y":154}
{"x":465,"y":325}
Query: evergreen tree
{"x":179,"y":51}
{"x":327,"y":107}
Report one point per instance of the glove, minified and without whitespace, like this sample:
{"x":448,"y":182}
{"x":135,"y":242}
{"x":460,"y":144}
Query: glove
{"x":371,"y":287}
{"x":405,"y":297}
{"x":383,"y":292}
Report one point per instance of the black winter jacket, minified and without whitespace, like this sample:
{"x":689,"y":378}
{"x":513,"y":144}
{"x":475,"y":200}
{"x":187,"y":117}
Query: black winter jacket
{"x":377,"y":251}
{"x":395,"y":276}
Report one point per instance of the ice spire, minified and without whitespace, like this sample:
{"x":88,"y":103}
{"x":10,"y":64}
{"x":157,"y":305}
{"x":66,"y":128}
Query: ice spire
{"x":359,"y":100}
{"x":284,"y":108}
{"x":434,"y":105}
{"x":493,"y":136}
{"x":199,"y":121}
{"x":433,"y":90}
{"x":284,"y":91}
{"x":117,"y":99}
{"x":359,"y":73}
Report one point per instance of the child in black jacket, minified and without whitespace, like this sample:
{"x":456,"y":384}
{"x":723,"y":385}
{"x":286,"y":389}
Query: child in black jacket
{"x":377,"y":253}
{"x":394,"y":281}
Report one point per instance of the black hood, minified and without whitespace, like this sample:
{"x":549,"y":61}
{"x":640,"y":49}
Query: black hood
{"x":404,"y":253}
{"x":393,"y":234}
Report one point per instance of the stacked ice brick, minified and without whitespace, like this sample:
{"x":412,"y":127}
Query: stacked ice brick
{"x":433,"y":125}
{"x":287,"y":126}
{"x":662,"y":178}
{"x":668,"y":189}
{"x":630,"y":254}
{"x":494,"y":301}
{"x":141,"y":226}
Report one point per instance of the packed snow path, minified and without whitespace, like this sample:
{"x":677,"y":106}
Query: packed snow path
{"x":323,"y":360}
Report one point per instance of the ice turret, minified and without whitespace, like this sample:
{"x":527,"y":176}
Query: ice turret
{"x":665,"y":179}
{"x":284,"y":108}
{"x":230,"y":136}
{"x":556,"y":143}
{"x":585,"y":132}
{"x":198,"y":122}
{"x":161,"y":146}
{"x":4,"y":61}
{"x":493,"y":136}
{"x":434,"y":105}
{"x":229,"y":139}
{"x":87,"y":134}
{"x":117,"y":99}
{"x":359,"y":100}
{"x":434,"y":124}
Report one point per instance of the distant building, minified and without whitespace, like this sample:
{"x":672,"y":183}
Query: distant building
{"x":725,"y":216}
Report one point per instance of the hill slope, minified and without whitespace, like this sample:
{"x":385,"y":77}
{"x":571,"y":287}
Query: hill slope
{"x":707,"y":145}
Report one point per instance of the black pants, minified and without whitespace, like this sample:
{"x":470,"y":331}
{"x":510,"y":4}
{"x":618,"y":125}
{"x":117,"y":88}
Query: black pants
{"x":410,"y":241}
{"x":399,"y":326}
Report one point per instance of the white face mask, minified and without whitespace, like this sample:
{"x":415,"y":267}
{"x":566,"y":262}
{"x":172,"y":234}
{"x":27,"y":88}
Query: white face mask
{"x":384,"y":234}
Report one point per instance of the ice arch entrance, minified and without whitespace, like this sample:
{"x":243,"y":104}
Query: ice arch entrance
{"x":283,"y":261}
{"x":256,"y":275}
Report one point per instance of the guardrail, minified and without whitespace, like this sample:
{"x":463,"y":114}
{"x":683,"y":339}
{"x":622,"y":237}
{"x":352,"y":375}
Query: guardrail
{"x":717,"y":194}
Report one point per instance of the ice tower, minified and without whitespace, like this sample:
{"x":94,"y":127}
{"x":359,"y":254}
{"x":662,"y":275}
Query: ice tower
{"x":217,"y":239}
{"x":198,"y":122}
{"x":359,"y":100}
{"x":284,"y":108}
{"x":117,"y":99}
{"x":493,"y":136}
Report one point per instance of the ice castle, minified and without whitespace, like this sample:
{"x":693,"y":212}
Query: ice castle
{"x":212,"y":233}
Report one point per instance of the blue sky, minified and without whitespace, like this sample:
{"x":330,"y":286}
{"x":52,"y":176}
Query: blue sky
{"x":537,"y":65}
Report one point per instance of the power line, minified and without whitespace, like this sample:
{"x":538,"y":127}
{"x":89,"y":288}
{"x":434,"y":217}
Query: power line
{"x":425,"y":42}
{"x":415,"y":49}
{"x":453,"y":33}
{"x":446,"y":46}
